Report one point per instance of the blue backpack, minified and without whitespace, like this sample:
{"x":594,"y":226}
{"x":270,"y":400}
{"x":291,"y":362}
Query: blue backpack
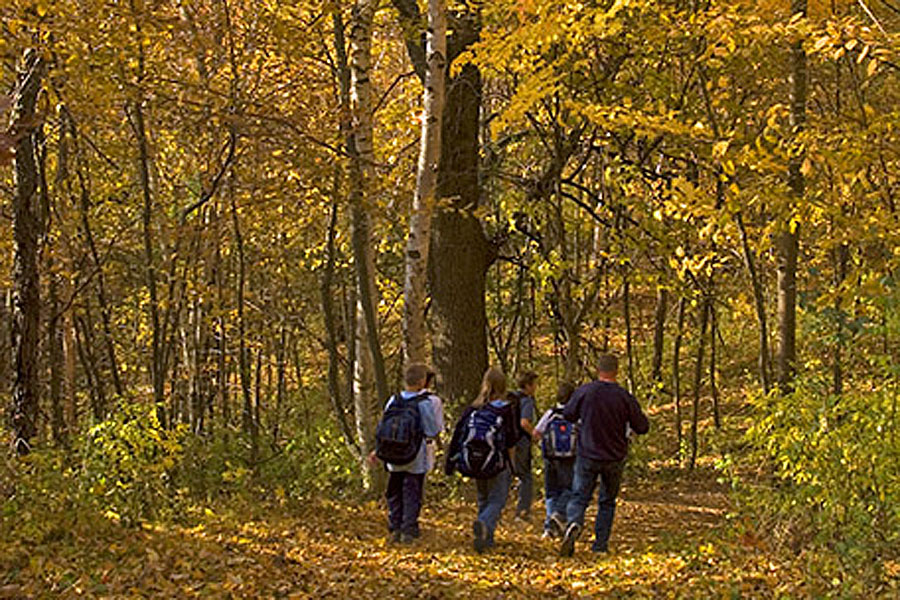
{"x":559,"y":438}
{"x":399,"y":434}
{"x":483,"y":448}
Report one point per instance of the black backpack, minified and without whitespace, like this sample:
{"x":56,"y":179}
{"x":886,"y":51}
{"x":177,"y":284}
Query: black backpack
{"x":399,"y":434}
{"x":482,"y":453}
{"x":515,"y":398}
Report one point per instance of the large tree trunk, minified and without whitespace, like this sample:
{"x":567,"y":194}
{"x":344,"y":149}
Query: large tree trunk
{"x":419,"y":241}
{"x":789,"y":238}
{"x":460,"y":254}
{"x":26,"y":278}
{"x":460,"y":251}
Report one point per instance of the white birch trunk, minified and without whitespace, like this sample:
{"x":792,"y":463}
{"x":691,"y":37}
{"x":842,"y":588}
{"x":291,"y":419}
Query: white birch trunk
{"x":419,"y":240}
{"x":367,"y":405}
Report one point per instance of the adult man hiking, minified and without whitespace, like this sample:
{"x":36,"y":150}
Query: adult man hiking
{"x":606,"y":411}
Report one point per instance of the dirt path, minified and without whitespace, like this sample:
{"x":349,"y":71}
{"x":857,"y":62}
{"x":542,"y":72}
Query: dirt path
{"x":661,"y":548}
{"x":339,"y":551}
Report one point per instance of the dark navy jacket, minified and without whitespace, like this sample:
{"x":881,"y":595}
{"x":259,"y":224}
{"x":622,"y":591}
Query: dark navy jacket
{"x":605,"y":410}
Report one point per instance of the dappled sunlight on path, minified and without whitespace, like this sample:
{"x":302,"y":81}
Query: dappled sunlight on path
{"x":662,"y":546}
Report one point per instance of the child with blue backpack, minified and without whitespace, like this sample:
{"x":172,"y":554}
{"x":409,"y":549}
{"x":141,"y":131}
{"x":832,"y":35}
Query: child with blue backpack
{"x":410,"y":419}
{"x":558,"y":438}
{"x":481,"y":448}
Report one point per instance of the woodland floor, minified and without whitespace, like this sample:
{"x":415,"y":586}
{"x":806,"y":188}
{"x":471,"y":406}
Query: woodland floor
{"x":664,"y":544}
{"x":671,"y":539}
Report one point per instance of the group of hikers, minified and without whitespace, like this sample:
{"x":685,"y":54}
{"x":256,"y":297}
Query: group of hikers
{"x":583,"y":436}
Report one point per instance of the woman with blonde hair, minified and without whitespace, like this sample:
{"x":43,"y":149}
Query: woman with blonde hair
{"x":481,"y":448}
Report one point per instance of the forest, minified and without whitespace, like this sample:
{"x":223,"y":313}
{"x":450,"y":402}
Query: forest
{"x":230,"y":225}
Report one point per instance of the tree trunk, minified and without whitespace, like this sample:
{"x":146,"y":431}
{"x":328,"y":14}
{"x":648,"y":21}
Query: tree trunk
{"x":629,"y":346}
{"x":460,"y":251}
{"x":676,"y":372}
{"x":841,"y":259}
{"x":460,"y":254}
{"x":55,"y":344}
{"x":243,"y":358}
{"x":788,"y":241}
{"x":713,"y":363}
{"x":419,"y":241}
{"x":331,"y":331}
{"x":84,"y":210}
{"x":659,"y":330}
{"x":759,"y":304}
{"x":369,"y":363}
{"x":698,"y":379}
{"x":26,"y":278}
{"x":281,"y":390}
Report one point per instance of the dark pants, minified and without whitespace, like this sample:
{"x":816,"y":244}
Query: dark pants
{"x":588,"y":474}
{"x":404,"y":499}
{"x":558,"y":474}
{"x":522,"y":469}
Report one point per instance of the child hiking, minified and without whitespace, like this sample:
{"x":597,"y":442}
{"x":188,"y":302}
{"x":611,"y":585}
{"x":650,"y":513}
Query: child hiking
{"x":524,"y":399}
{"x":605,"y":411}
{"x":411,"y":417}
{"x":557,"y":437}
{"x":481,"y":448}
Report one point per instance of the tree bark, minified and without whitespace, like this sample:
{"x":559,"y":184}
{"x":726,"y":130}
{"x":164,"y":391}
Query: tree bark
{"x":698,"y":379}
{"x":788,"y":241}
{"x":57,"y":367}
{"x":26,"y":277}
{"x":713,"y":363}
{"x":331,"y":331}
{"x":419,"y":241}
{"x":759,"y":304}
{"x":676,"y":372}
{"x":629,"y":345}
{"x":84,"y":210}
{"x":659,"y":330}
{"x":841,"y":259}
{"x":369,"y":363}
{"x":460,"y":254}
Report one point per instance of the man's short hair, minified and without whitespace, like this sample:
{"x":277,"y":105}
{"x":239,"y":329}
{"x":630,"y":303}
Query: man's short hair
{"x":415,"y":374}
{"x":608,"y":363}
{"x":525,"y":379}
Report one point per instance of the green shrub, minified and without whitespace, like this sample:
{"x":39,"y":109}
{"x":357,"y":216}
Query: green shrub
{"x":830,"y":476}
{"x":128,"y":463}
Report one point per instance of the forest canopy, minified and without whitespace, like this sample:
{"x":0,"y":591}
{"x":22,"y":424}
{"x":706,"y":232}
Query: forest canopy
{"x":231,"y":224}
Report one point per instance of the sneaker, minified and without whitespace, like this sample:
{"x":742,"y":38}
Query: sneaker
{"x":479,"y":531}
{"x":406,"y":538}
{"x":395,"y":537}
{"x":600,"y":549}
{"x":555,"y":525}
{"x":567,"y":548}
{"x":548,"y":535}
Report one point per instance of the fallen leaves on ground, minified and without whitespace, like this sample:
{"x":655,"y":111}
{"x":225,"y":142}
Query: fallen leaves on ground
{"x":665,"y":545}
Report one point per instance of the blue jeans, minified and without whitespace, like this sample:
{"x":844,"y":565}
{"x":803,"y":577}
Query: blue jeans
{"x":558,"y":475}
{"x":404,"y":499}
{"x":492,"y":494}
{"x":588,"y":473}
{"x":522,"y":467}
